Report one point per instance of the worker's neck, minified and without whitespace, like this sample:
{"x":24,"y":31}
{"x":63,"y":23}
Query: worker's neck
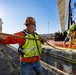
{"x":31,"y":32}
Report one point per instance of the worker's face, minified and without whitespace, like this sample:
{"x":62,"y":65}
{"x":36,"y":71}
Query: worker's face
{"x":31,"y":28}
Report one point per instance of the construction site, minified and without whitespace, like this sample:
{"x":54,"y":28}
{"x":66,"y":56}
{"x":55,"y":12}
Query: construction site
{"x":57,"y":58}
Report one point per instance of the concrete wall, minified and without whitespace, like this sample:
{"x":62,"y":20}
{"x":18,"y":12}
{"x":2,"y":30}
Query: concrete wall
{"x":67,"y":65}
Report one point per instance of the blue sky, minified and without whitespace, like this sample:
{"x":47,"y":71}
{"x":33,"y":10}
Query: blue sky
{"x":15,"y":12}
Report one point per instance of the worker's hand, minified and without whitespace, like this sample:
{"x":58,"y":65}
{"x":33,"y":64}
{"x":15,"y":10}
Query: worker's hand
{"x":44,"y":40}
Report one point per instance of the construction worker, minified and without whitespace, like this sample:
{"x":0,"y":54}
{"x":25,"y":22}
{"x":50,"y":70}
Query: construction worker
{"x":29,"y":50}
{"x":71,"y":33}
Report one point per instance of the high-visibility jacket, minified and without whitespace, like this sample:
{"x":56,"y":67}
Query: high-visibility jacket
{"x":20,"y":41}
{"x":72,"y":29}
{"x":31,"y":47}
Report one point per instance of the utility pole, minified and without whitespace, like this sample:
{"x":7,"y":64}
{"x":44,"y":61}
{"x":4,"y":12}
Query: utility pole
{"x":48,"y":27}
{"x":1,"y":36}
{"x":1,"y":25}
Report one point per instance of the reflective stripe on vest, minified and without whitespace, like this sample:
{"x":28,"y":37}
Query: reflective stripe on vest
{"x":30,"y":47}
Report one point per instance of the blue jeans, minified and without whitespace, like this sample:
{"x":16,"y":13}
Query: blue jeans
{"x":26,"y":68}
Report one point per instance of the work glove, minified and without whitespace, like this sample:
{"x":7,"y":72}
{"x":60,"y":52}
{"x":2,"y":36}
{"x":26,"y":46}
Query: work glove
{"x":43,"y":40}
{"x":20,"y":51}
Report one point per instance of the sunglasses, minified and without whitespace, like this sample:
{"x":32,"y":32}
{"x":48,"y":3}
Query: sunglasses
{"x":30,"y":24}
